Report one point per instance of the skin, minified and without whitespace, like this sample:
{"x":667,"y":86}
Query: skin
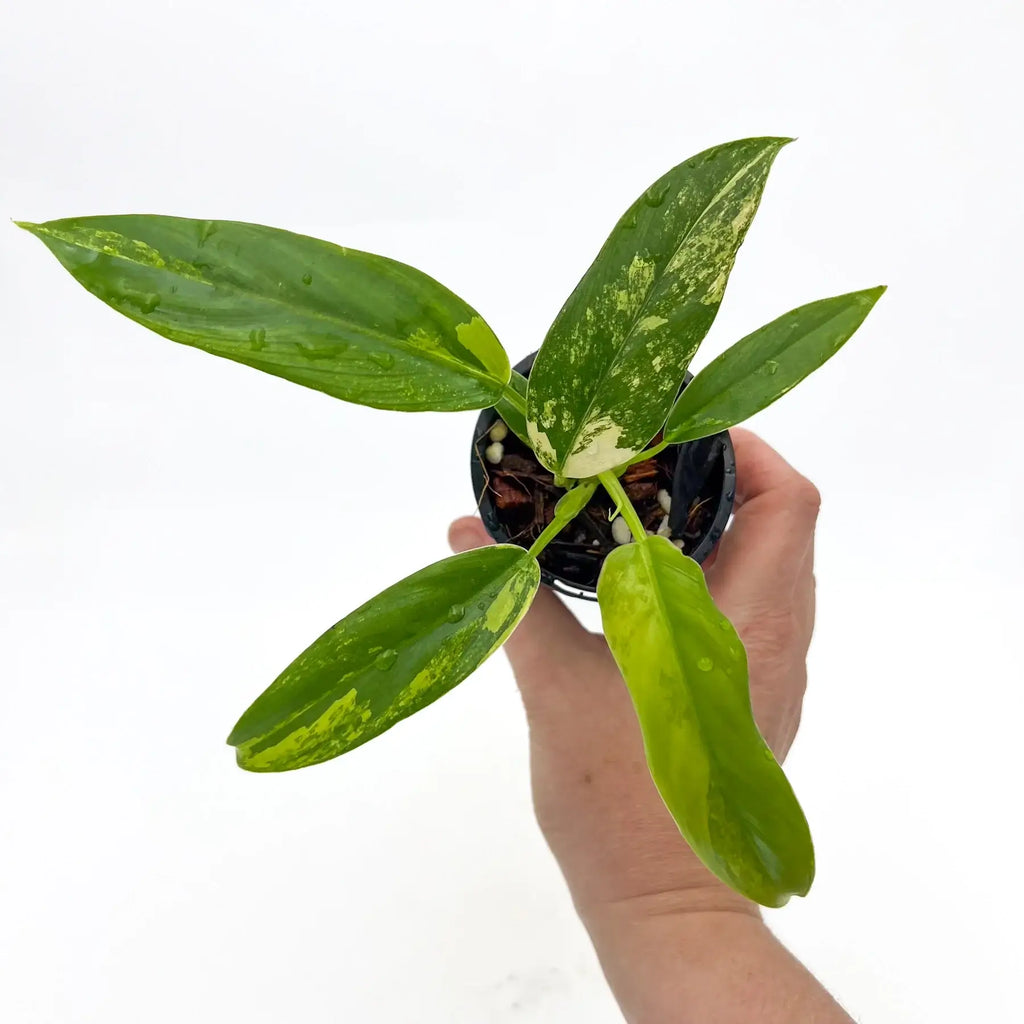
{"x":676,"y":945}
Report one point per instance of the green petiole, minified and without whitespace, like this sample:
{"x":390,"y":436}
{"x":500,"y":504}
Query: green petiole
{"x":611,"y":484}
{"x":569,"y":506}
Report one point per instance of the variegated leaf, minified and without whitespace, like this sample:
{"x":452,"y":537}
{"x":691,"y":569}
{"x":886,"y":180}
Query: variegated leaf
{"x":763,"y":366}
{"x":353,"y":325}
{"x":615,"y":356}
{"x":686,"y":670}
{"x":391,"y":657}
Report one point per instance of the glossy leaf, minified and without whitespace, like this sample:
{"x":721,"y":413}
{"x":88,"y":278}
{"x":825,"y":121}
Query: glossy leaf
{"x":764,"y":365}
{"x":353,"y":325}
{"x":510,"y":413}
{"x":613,"y":360}
{"x":393,"y":656}
{"x":686,"y":671}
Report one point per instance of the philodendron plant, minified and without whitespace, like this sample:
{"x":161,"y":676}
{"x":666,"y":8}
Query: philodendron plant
{"x":602,"y":396}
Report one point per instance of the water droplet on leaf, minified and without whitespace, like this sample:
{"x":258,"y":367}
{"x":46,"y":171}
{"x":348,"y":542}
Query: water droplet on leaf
{"x":769,"y":367}
{"x":257,"y":339}
{"x":456,"y":613}
{"x":385,"y":659}
{"x":724,"y":625}
{"x":144,"y":302}
{"x":307,"y":278}
{"x":314,"y":352}
{"x":705,"y":664}
{"x":206,"y":228}
{"x":385,"y":360}
{"x":655,"y":195}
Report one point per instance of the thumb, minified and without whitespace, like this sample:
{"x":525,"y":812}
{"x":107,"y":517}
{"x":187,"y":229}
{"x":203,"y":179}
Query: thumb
{"x":548,"y":634}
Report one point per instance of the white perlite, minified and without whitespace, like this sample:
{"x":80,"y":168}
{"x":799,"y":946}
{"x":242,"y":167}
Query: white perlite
{"x":664,"y":530}
{"x":494,"y":452}
{"x":665,"y":500}
{"x":499,"y":431}
{"x":620,"y":531}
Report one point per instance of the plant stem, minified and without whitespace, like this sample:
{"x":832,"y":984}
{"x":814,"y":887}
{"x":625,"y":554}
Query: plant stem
{"x":611,"y":484}
{"x":547,"y":535}
{"x":569,"y":506}
{"x":516,"y":400}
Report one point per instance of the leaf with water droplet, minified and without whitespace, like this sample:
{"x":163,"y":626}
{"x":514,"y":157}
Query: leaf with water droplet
{"x":763,"y":366}
{"x":250,"y":275}
{"x":635,"y":319}
{"x":388,"y":659}
{"x":736,"y":809}
{"x":257,"y":339}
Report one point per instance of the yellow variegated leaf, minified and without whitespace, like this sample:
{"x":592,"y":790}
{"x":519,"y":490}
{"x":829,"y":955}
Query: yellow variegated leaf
{"x":393,"y":656}
{"x":614,"y":358}
{"x":686,"y":671}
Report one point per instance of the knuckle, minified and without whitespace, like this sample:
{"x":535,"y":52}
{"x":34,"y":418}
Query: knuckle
{"x":806,"y":494}
{"x":772,"y":635}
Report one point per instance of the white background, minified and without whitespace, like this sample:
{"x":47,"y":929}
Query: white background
{"x":173,"y":528}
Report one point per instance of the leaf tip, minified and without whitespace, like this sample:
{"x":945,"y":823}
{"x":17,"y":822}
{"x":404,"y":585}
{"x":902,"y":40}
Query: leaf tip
{"x":25,"y":225}
{"x":236,"y":737}
{"x":777,"y":142}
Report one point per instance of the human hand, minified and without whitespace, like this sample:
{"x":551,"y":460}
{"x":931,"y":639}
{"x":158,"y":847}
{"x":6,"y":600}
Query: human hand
{"x":618,"y":847}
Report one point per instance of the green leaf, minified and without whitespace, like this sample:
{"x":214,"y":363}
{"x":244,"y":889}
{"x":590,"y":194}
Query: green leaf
{"x":612,"y":362}
{"x":393,"y":656}
{"x":510,"y":413}
{"x":356,"y":326}
{"x":764,"y":365}
{"x":686,"y":671}
{"x":575,"y":500}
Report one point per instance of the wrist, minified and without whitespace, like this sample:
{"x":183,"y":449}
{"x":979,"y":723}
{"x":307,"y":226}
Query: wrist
{"x":703,"y":903}
{"x":686,"y":889}
{"x":662,"y":960}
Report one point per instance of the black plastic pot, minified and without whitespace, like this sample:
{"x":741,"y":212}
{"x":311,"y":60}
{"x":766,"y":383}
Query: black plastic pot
{"x":704,"y":469}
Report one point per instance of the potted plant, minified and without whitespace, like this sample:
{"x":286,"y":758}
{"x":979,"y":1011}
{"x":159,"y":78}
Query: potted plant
{"x":600,"y":417}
